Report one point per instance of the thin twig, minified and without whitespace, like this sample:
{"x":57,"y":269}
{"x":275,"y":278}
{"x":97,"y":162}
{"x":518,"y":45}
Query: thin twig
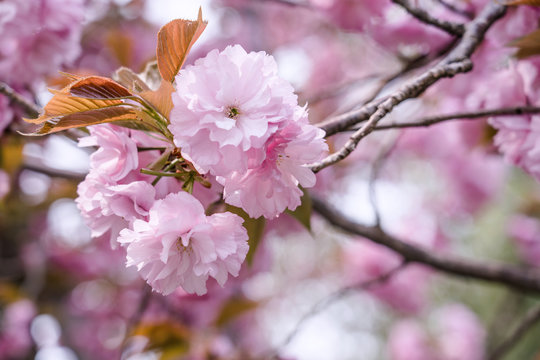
{"x":455,"y":9}
{"x":344,"y":121}
{"x":327,"y":301}
{"x":457,"y":61}
{"x":293,"y":3}
{"x":55,"y":173}
{"x":144,"y":302}
{"x":29,"y":108}
{"x":479,"y":114}
{"x":422,"y":15}
{"x":529,"y":320}
{"x":525,"y":279}
{"x":376,"y":167}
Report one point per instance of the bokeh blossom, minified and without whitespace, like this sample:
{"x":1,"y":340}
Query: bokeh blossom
{"x":38,"y":37}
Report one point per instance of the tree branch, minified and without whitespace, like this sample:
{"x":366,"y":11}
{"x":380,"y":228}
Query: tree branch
{"x":457,"y":61}
{"x":529,"y":320}
{"x":519,"y":278}
{"x":29,"y":108}
{"x":455,"y":9}
{"x":422,"y":15}
{"x":428,"y":121}
{"x":327,"y":301}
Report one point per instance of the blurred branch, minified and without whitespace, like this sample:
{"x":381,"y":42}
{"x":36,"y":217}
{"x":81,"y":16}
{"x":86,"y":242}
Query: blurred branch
{"x":304,"y":4}
{"x":37,"y":166}
{"x":519,"y":278}
{"x":342,"y":122}
{"x":457,"y":61}
{"x":144,"y":302}
{"x":327,"y":301}
{"x":422,"y":15}
{"x":529,"y":320}
{"x":29,"y":108}
{"x":455,"y":9}
{"x":428,"y":121}
{"x":373,"y":176}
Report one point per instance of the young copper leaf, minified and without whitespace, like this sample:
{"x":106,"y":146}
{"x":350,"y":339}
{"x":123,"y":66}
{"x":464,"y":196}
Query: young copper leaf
{"x":523,"y":2}
{"x":255,"y":230}
{"x":86,"y":118}
{"x":130,"y":80}
{"x":97,"y":87}
{"x":63,"y":104}
{"x":175,"y":39}
{"x":160,"y":99}
{"x":303,"y":212}
{"x":527,"y":45}
{"x":87,"y":101}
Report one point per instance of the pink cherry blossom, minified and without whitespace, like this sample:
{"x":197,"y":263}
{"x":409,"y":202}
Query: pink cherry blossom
{"x":15,"y":340}
{"x":408,"y":341}
{"x":180,"y":246}
{"x":456,"y":334}
{"x":525,"y":231}
{"x":406,"y":291}
{"x":268,"y":189}
{"x":461,"y":335}
{"x":38,"y":37}
{"x":116,"y":155}
{"x":4,"y":183}
{"x":226,"y":104}
{"x":6,"y":114}
{"x":351,"y":14}
{"x":109,"y":208}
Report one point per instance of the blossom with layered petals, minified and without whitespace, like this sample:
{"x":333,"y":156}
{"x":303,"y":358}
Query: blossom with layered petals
{"x":226,"y":105}
{"x":180,"y":246}
{"x":110,"y":208}
{"x":116,"y":155}
{"x":271,"y":187}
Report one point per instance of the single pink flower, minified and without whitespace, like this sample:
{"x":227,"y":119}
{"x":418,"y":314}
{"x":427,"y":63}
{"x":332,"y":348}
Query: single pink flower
{"x":460,"y":334}
{"x":109,"y":208}
{"x":227,"y":104}
{"x":116,"y":155}
{"x":268,"y":189}
{"x":408,"y":341}
{"x":180,"y":246}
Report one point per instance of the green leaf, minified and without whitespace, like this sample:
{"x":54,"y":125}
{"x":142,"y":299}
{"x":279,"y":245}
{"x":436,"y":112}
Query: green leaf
{"x":169,"y":337}
{"x":234,"y":308}
{"x":255,"y":230}
{"x":303,"y":212}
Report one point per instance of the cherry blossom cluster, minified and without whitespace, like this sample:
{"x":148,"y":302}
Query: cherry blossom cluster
{"x":235,"y":124}
{"x":38,"y":37}
{"x":234,"y":118}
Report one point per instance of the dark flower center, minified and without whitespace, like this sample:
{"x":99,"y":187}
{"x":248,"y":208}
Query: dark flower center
{"x":232,"y":112}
